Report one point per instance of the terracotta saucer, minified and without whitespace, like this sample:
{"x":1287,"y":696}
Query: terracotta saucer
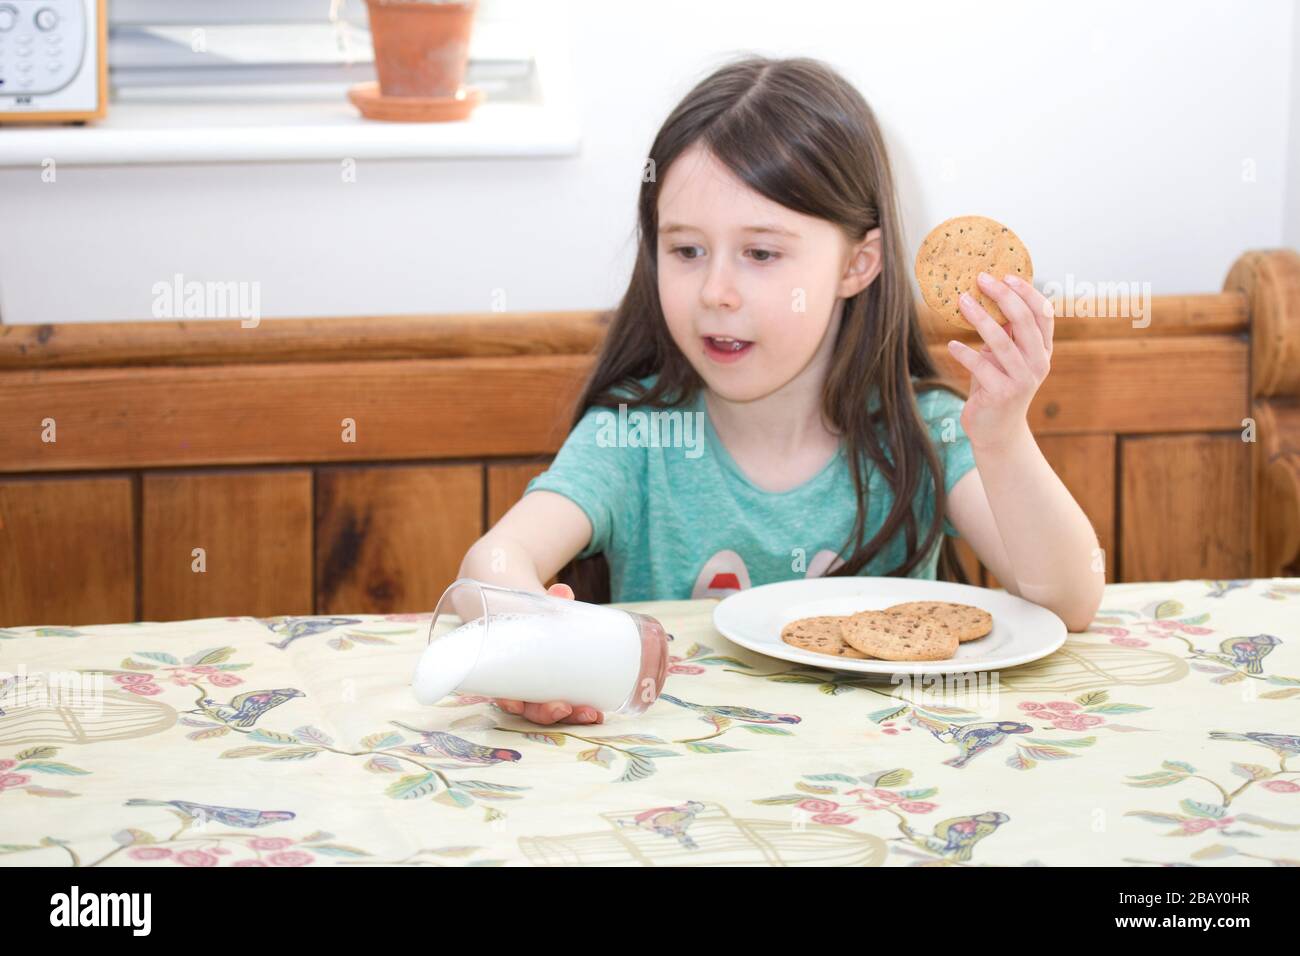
{"x":414,"y":109}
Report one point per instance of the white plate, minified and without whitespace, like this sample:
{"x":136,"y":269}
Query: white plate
{"x":753,"y":618}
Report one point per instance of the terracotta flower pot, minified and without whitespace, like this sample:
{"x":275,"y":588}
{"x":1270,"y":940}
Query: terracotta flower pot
{"x":421,"y":48}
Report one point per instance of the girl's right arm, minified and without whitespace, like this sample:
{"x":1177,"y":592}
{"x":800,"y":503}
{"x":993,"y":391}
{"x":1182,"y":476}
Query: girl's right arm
{"x":540,"y":534}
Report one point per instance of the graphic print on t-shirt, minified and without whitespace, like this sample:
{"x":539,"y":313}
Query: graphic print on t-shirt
{"x":823,"y":561}
{"x":725,"y":573}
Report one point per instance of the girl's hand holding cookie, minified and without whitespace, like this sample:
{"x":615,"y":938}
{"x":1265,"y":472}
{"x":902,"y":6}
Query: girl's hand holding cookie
{"x":1008,"y":369}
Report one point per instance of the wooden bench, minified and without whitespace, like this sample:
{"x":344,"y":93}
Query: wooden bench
{"x":345,"y":465}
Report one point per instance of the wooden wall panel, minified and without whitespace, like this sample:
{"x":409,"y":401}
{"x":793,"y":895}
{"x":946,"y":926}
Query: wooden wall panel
{"x":346,"y":338}
{"x":255,"y":529}
{"x":287,"y":414}
{"x":1275,"y":465}
{"x":1135,"y":385}
{"x":343,"y":338}
{"x":441,"y":408}
{"x":1185,"y":507}
{"x":390,"y":539}
{"x":506,"y":483}
{"x":67,"y":551}
{"x":971,"y":563}
{"x":1086,"y":466}
{"x":492,"y":395}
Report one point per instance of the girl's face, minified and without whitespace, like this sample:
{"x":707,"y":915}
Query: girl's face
{"x":752,"y":291}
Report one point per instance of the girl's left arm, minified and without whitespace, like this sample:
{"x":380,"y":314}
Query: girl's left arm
{"x":1050,"y":543}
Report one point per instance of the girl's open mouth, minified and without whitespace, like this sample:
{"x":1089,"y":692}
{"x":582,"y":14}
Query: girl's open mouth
{"x":725,"y":350}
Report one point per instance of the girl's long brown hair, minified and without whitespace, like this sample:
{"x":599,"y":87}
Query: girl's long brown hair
{"x":798,"y":133}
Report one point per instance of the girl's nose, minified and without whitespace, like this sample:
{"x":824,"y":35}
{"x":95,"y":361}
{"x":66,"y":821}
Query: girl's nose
{"x":719,"y":289}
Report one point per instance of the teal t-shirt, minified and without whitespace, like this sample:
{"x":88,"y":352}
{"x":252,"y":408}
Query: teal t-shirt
{"x":678,"y":519}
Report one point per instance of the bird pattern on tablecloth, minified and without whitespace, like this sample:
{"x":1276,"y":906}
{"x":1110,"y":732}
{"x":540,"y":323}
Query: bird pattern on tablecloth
{"x":296,"y":628}
{"x":747,"y":714}
{"x":437,"y":742}
{"x":956,"y":837}
{"x":231,"y":816}
{"x":1247,"y":653}
{"x":668,"y":821}
{"x":672,"y":827}
{"x":1219,"y":589}
{"x":973,"y":739}
{"x":1283,"y":744}
{"x":244,"y":709}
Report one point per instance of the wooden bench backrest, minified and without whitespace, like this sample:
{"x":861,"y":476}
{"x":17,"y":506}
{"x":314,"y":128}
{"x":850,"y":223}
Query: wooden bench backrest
{"x":181,"y":445}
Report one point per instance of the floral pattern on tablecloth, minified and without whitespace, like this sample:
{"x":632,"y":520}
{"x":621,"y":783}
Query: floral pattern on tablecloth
{"x":1167,"y":734}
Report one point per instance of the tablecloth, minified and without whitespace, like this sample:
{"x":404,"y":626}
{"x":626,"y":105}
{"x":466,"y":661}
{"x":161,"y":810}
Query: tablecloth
{"x":1165,"y":734}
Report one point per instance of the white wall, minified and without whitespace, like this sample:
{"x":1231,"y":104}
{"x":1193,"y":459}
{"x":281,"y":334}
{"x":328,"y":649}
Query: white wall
{"x":1291,"y":225}
{"x":1114,"y":137}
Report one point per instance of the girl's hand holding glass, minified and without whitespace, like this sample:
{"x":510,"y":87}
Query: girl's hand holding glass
{"x":553,"y":711}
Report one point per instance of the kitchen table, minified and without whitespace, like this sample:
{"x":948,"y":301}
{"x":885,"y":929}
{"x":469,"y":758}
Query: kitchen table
{"x":1168,"y":733}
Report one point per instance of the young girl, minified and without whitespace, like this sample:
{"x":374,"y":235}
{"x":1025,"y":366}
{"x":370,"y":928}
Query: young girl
{"x":802,"y":430}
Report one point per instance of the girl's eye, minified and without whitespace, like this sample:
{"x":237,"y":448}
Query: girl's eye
{"x":761,"y":255}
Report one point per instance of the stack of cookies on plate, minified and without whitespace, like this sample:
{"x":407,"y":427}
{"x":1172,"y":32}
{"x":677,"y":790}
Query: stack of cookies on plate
{"x":912,"y":631}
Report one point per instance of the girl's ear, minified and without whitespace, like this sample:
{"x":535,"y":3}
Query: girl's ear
{"x":863,"y":266}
